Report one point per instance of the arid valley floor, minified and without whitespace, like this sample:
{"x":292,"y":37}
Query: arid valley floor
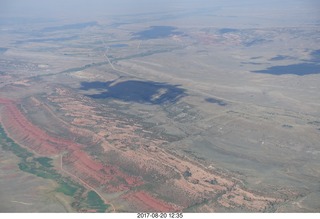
{"x":183,"y":110}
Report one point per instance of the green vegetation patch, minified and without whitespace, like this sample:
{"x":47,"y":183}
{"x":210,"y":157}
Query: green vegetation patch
{"x":67,"y":189}
{"x":44,"y":161}
{"x":94,"y":201}
{"x":42,"y":167}
{"x":8,"y":144}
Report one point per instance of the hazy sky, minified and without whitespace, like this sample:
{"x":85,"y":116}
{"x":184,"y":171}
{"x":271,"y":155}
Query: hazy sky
{"x":89,"y":9}
{"x":55,"y":8}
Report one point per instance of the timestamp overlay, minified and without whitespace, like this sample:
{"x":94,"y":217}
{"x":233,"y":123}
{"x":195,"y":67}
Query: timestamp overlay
{"x":161,"y":215}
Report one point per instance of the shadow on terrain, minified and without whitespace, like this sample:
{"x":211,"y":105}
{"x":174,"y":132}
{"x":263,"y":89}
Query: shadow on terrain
{"x":3,"y":50}
{"x":315,"y":54}
{"x":295,"y":69}
{"x":146,"y":92}
{"x":121,"y":45}
{"x":279,"y":58}
{"x":255,"y":42}
{"x":70,"y":26}
{"x":227,"y":30}
{"x":216,"y":101}
{"x":156,"y":32}
{"x":251,"y":63}
{"x":308,"y":67}
{"x":40,"y":40}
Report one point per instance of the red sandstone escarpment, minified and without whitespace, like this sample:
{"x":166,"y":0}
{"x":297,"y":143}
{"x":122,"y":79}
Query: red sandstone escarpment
{"x":96,"y":174}
{"x":148,"y":159}
{"x":77,"y":161}
{"x":146,"y":202}
{"x":25,"y":133}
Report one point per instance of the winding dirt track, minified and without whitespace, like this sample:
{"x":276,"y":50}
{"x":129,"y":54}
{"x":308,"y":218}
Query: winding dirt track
{"x":37,"y":140}
{"x":85,"y":184}
{"x":108,"y":177}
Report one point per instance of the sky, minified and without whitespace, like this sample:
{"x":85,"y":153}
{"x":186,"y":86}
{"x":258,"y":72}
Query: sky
{"x":90,"y":9}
